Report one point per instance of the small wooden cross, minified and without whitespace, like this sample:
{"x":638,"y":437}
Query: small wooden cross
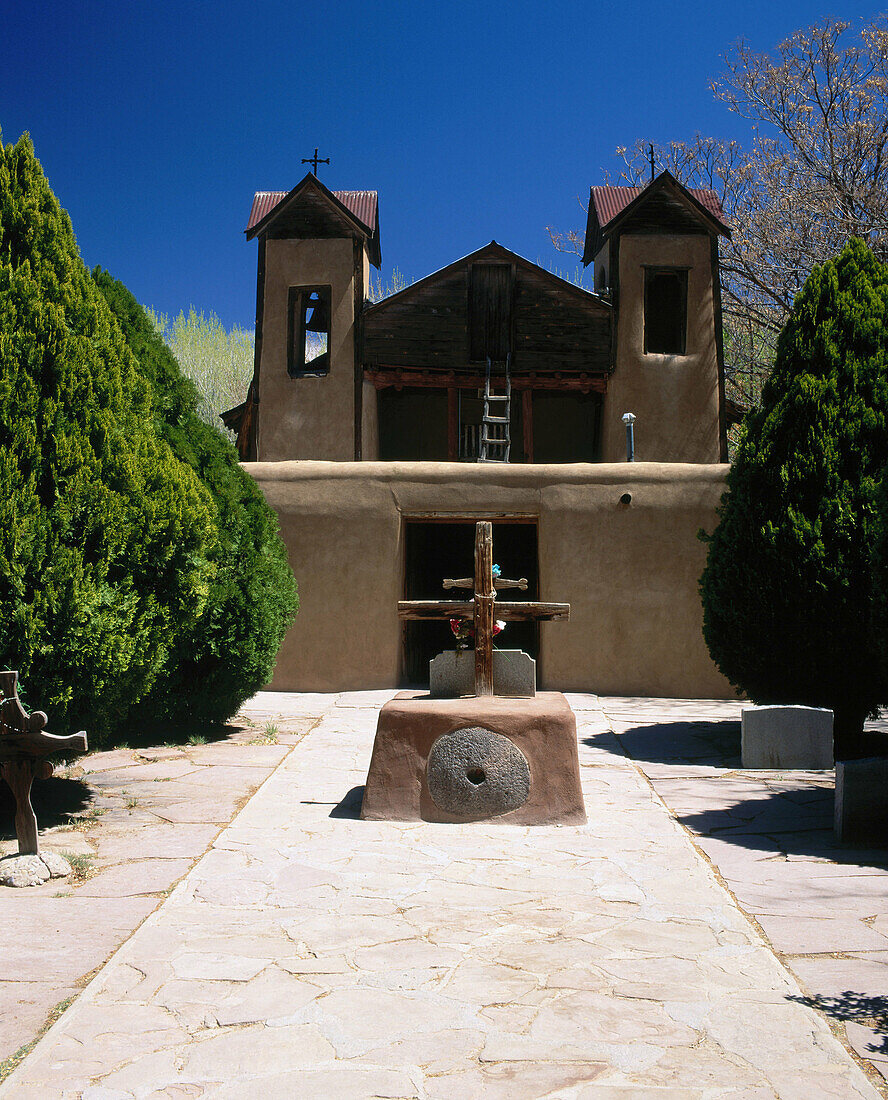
{"x":483,"y":609}
{"x":23,"y":746}
{"x":315,"y":161}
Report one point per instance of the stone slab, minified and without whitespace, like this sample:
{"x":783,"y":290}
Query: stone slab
{"x":542,"y":729}
{"x":861,"y":806}
{"x":452,"y":673}
{"x":778,"y":737}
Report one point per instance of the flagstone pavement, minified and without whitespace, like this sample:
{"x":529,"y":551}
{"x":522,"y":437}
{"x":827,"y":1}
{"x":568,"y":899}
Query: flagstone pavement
{"x":702,"y":936}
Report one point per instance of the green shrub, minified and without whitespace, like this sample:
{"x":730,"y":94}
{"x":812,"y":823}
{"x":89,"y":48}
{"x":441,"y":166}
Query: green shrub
{"x":228,"y":654}
{"x":788,"y":593}
{"x":106,"y":538}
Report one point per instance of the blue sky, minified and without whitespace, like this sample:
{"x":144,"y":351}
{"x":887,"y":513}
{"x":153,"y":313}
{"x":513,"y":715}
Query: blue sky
{"x":155,"y":123}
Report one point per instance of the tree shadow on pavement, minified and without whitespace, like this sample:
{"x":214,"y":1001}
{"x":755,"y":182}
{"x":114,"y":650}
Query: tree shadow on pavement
{"x":794,"y":821}
{"x":707,"y":743}
{"x":787,"y":816}
{"x":858,"y":1008}
{"x":54,"y":801}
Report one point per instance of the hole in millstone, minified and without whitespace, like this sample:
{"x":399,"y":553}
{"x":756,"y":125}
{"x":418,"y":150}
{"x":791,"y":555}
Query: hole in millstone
{"x":475,"y":775}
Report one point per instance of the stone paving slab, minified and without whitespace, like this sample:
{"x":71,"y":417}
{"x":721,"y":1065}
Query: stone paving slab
{"x":821,"y":904}
{"x":137,"y":818}
{"x":312,"y":954}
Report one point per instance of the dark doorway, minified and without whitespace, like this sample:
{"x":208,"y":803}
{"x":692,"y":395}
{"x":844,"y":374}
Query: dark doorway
{"x":412,"y":425}
{"x":566,"y":427}
{"x":435,"y":550}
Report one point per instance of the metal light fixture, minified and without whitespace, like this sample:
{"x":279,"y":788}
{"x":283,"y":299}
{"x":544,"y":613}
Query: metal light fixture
{"x":629,"y":421}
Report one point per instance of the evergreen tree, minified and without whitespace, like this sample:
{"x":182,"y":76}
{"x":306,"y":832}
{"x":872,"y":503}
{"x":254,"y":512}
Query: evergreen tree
{"x":105,"y":536}
{"x":788,"y":592}
{"x":229,"y":653}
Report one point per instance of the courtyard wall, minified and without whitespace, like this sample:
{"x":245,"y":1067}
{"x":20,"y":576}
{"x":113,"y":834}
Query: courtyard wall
{"x":628,"y":569}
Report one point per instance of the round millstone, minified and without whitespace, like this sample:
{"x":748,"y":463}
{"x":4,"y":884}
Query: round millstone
{"x":476,"y":773}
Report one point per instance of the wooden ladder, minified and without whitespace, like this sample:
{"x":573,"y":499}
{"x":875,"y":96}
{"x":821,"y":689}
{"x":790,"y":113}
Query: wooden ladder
{"x":496,"y":441}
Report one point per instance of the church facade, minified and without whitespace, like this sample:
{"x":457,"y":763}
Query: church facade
{"x":492,"y":389}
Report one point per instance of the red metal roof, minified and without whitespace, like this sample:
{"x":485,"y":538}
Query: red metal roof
{"x":362,"y":204}
{"x":610,"y":201}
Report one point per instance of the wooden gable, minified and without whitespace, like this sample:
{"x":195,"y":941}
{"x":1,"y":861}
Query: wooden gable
{"x":664,"y":213}
{"x":312,"y":211}
{"x":663,"y":206}
{"x":310,"y":215}
{"x":490,"y":302}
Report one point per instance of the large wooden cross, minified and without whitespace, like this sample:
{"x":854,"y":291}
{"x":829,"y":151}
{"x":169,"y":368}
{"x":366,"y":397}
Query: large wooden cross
{"x":484,"y":609}
{"x":23,"y":745}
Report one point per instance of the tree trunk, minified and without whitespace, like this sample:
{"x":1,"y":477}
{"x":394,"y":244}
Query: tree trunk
{"x":848,"y":733}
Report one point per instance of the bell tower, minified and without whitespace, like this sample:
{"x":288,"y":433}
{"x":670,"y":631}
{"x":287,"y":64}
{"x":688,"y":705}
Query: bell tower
{"x":655,"y":251}
{"x":307,"y":395}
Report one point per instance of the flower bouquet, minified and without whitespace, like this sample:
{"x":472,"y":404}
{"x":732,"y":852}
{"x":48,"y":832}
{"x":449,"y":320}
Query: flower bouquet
{"x":464,"y":631}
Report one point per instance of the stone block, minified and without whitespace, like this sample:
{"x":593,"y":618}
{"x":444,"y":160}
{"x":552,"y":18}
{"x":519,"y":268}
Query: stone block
{"x":861,"y":805}
{"x":32,"y":870}
{"x":452,"y":673}
{"x":786,"y":737}
{"x":475,"y":759}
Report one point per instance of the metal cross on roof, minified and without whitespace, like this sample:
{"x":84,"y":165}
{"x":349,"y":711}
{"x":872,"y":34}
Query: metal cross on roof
{"x":315,"y":161}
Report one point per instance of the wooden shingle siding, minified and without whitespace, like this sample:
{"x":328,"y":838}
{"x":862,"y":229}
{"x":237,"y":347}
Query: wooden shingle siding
{"x":557,"y":333}
{"x":310,"y":217}
{"x":664,"y":214}
{"x":425,"y":325}
{"x":554,"y":326}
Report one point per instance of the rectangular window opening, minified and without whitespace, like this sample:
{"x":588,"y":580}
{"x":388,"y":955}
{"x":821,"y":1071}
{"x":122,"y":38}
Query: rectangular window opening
{"x":308,"y":330}
{"x":665,"y":310}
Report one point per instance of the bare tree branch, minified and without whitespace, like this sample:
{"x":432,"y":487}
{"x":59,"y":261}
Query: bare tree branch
{"x":814,"y":174}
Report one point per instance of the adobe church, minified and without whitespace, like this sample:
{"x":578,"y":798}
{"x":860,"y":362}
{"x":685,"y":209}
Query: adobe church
{"x":492,"y":389}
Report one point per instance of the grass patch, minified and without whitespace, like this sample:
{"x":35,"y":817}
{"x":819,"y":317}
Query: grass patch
{"x":82,"y":866}
{"x":197,"y":739}
{"x":269,"y":736}
{"x":85,"y":821}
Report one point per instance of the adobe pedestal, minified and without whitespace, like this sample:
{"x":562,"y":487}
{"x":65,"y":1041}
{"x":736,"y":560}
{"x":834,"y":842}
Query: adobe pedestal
{"x":475,"y":759}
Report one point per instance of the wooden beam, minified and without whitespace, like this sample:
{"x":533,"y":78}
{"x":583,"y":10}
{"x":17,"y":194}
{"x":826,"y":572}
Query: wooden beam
{"x":485,"y":598}
{"x":719,"y":348}
{"x":527,"y":423}
{"x":423,"y":610}
{"x":473,"y":516}
{"x":357,"y":342}
{"x":253,"y":438}
{"x":383,"y":377}
{"x":452,"y":424}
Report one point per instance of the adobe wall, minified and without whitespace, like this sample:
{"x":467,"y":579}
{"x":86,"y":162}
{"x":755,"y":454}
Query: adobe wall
{"x":629,"y":571}
{"x":674,"y":397}
{"x":308,"y":417}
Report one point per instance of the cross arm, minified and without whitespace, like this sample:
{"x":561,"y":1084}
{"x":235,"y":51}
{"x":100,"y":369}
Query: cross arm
{"x":498,"y":582}
{"x":459,"y":609}
{"x":435,"y":609}
{"x":28,"y":744}
{"x":521,"y":612}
